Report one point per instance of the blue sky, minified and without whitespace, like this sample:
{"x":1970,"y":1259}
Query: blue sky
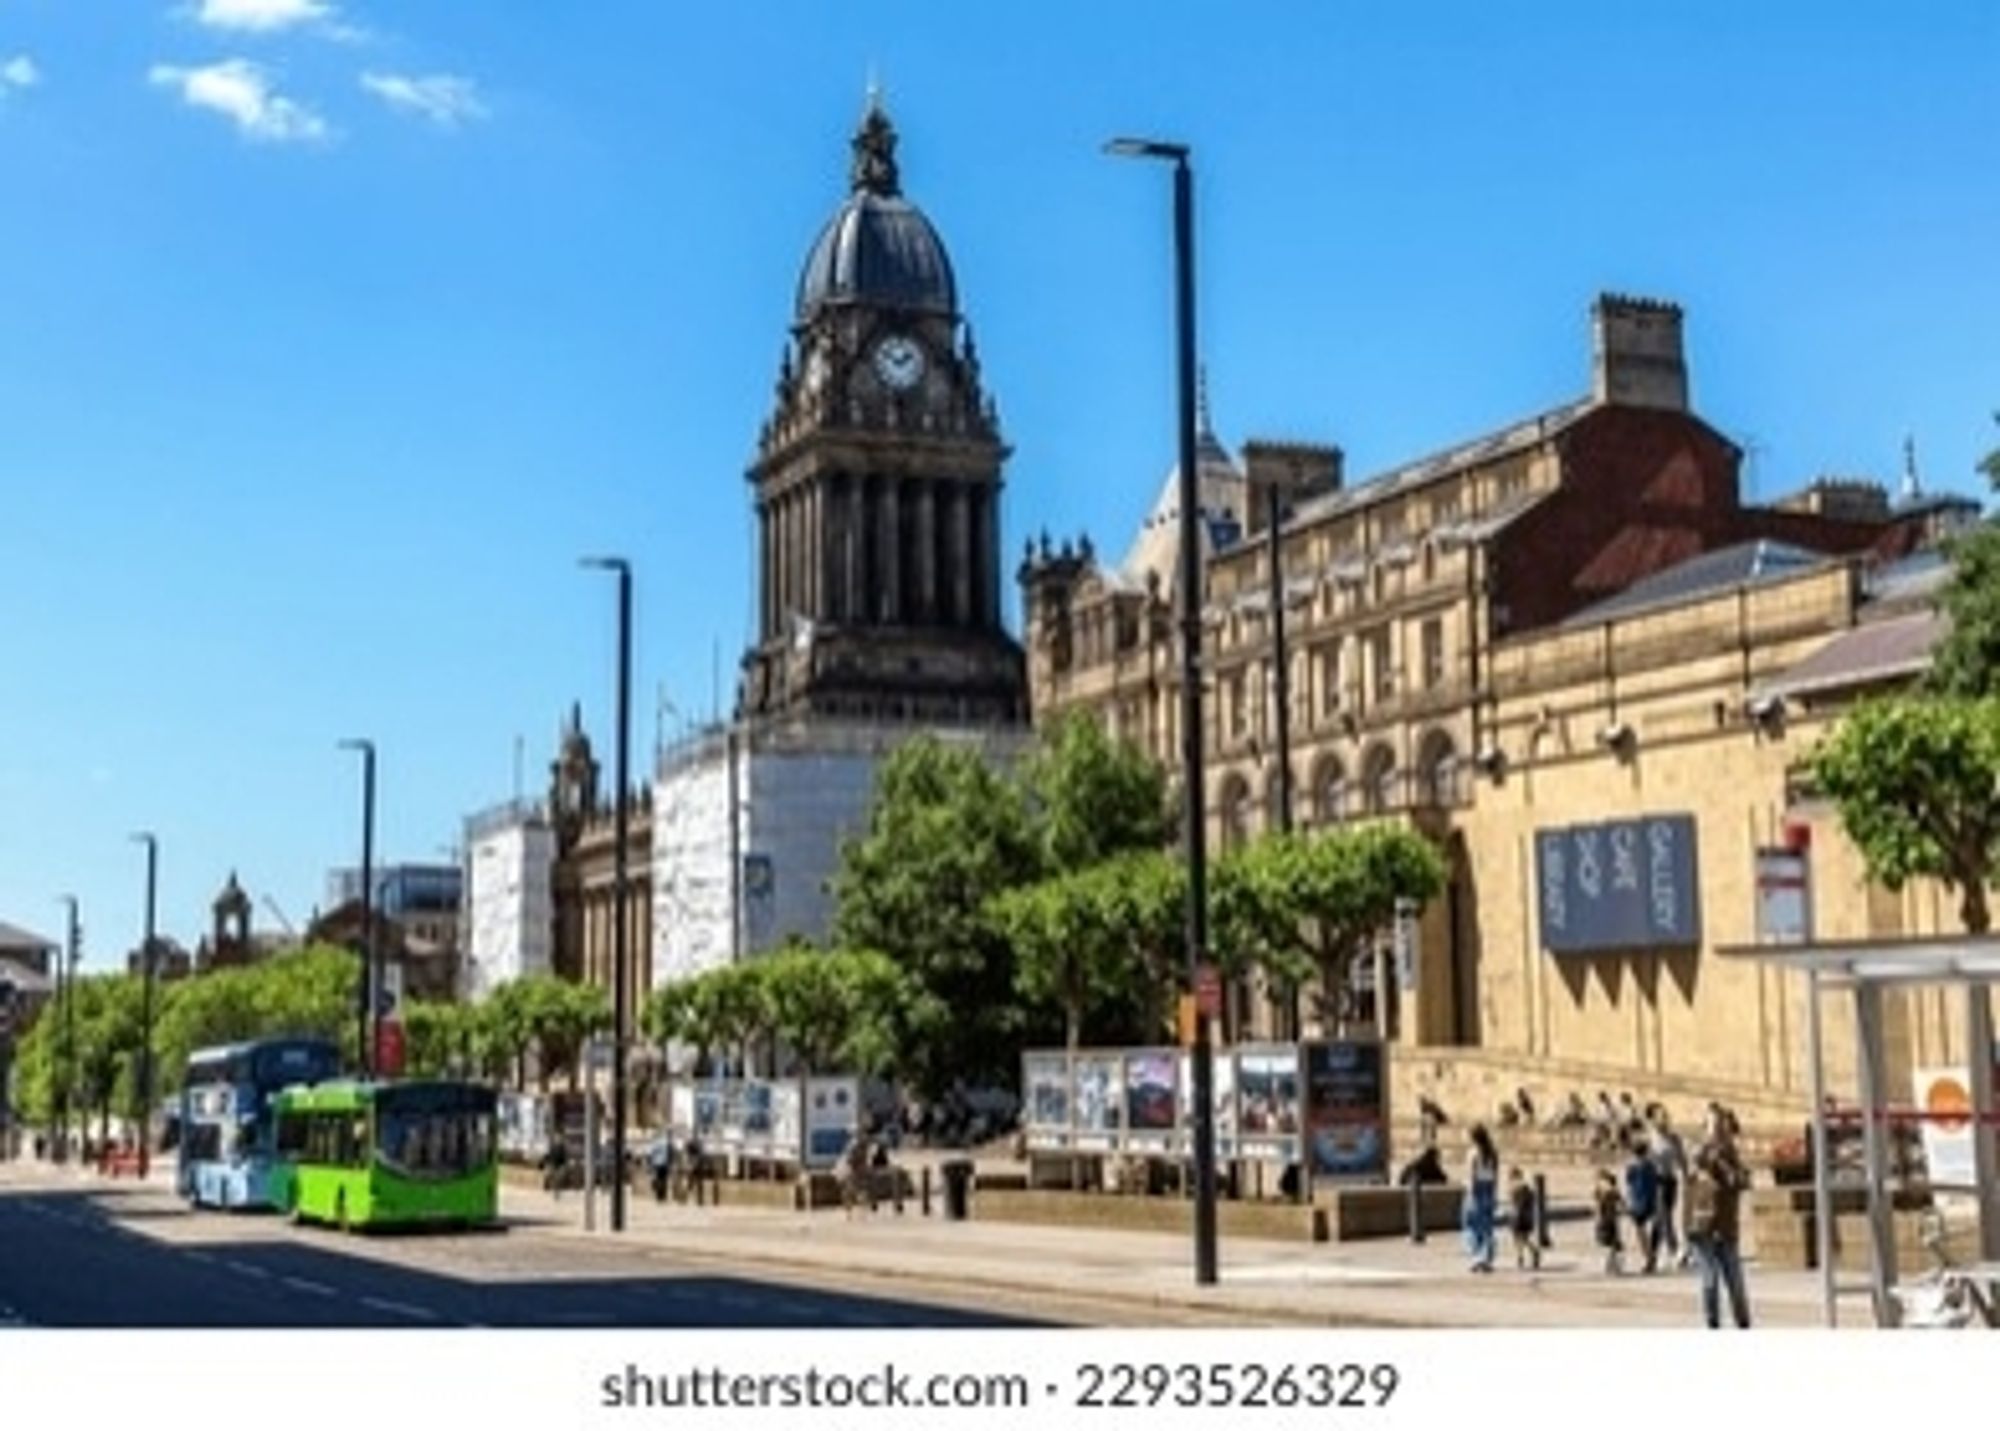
{"x":334,"y":331}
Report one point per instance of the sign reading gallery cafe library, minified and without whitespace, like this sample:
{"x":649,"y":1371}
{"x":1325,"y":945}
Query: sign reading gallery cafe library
{"x":1618,"y":884}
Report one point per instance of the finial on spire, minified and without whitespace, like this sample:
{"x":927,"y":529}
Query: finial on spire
{"x":1202,"y":425}
{"x":874,"y":169}
{"x":1912,"y":488}
{"x":874,"y":102}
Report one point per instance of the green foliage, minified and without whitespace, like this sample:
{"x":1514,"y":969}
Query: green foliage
{"x":1072,"y":940}
{"x":1091,"y":797}
{"x":945,"y":835}
{"x":106,"y":1021}
{"x":1917,"y":783}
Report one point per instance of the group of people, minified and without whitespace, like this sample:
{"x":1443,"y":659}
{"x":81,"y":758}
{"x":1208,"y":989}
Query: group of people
{"x":1681,"y":1207}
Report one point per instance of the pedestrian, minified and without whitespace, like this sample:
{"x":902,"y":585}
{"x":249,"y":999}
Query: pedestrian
{"x":1521,"y":1221}
{"x":1610,"y":1209}
{"x":555,"y":1165}
{"x":1642,"y":1200}
{"x":1670,"y":1169}
{"x":1482,"y":1198}
{"x":858,"y":1180}
{"x":660,"y":1156}
{"x":1716,"y":1181}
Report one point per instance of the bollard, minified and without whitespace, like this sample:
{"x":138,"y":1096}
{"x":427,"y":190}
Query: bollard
{"x":1417,"y":1230}
{"x":1542,"y":1238}
{"x":926,"y":1189}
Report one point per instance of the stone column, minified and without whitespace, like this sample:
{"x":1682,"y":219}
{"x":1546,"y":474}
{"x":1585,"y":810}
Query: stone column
{"x":856,"y":605}
{"x":888,"y":574}
{"x":985,"y":561}
{"x":927,"y":545}
{"x":763,"y":569}
{"x":960,"y":498}
{"x":781,"y":565}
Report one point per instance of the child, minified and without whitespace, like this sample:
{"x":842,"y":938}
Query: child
{"x":1610,"y":1209}
{"x":1521,"y":1199}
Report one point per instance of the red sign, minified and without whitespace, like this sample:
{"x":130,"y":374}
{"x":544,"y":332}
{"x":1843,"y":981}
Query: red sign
{"x":1208,"y":990}
{"x":389,"y":1049}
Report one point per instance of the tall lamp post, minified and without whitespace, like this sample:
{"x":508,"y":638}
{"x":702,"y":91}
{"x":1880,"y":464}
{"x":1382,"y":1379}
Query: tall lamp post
{"x":1202,"y":1058}
{"x":66,"y":993}
{"x":620,"y":916}
{"x":371,"y":975}
{"x":146,"y":962}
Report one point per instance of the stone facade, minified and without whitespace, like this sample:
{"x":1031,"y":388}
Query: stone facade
{"x":1568,"y":620}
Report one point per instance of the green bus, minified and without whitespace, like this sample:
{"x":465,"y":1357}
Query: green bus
{"x":367,"y":1155}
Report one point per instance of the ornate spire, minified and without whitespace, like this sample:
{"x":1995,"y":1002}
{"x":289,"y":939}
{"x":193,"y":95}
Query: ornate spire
{"x":875,"y":149}
{"x":1912,"y":488}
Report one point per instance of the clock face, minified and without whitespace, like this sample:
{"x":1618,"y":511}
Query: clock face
{"x":899,"y":362}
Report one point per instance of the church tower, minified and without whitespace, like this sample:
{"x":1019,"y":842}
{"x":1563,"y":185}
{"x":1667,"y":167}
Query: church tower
{"x":877,"y":483}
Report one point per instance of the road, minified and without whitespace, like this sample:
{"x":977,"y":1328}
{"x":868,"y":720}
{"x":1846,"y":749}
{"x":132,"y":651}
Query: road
{"x":74,"y":1255}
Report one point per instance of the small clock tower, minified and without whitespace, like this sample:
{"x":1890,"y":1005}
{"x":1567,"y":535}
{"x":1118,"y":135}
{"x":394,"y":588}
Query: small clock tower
{"x":877,"y":483}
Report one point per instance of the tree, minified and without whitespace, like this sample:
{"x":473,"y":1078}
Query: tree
{"x":1967,"y":661}
{"x":945,"y":834}
{"x":1092,"y":797}
{"x":1917,"y":783}
{"x":1071,"y":941}
{"x":1328,"y":892}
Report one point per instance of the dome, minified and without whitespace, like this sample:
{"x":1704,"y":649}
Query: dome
{"x":878,"y":248}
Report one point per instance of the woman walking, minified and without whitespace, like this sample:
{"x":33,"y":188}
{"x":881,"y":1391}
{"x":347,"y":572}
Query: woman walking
{"x":1482,"y":1198}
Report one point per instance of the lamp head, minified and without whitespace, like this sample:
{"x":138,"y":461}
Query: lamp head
{"x":366,"y":747}
{"x":606,"y":563}
{"x":1126,"y":148}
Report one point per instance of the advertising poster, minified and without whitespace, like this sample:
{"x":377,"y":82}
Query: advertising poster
{"x":1150,"y":1103}
{"x":1268,"y":1092}
{"x":833,"y":1111}
{"x":1097,"y":1093}
{"x":1223,"y":1086}
{"x":1946,"y":1101}
{"x":1046,"y":1079}
{"x":782,"y":1134}
{"x":1346,"y":1109}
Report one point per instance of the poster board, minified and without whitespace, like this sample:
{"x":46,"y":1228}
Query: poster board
{"x":1346,"y":1109}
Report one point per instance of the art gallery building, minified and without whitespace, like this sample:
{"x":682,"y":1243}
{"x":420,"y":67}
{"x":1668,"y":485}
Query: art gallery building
{"x":1573,"y":654}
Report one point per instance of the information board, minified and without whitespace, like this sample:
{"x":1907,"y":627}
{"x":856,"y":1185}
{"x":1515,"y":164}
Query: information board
{"x":1346,"y":1109}
{"x":1618,"y":884}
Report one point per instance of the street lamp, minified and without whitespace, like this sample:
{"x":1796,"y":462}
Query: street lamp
{"x":620,"y":1012}
{"x":371,"y":975}
{"x":1191,"y":733}
{"x":146,"y":961}
{"x":66,"y":993}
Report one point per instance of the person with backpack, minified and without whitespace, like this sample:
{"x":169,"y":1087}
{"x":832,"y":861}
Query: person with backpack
{"x":1642,"y":1199}
{"x":1716,"y":1181}
{"x":1670,"y":1169}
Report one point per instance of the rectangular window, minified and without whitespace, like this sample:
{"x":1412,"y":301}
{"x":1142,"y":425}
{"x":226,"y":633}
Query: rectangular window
{"x":1381,"y":666}
{"x":1433,"y":653}
{"x":1239,"y":707}
{"x":1328,"y":661}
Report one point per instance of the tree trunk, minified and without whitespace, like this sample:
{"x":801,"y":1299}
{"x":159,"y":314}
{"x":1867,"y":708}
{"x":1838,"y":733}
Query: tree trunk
{"x":1972,"y":907}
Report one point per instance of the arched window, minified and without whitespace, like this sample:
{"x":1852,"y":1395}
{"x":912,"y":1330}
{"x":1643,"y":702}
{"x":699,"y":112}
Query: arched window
{"x":1437,"y":770}
{"x":1379,"y":780}
{"x":1329,"y":792}
{"x":1235,"y":812}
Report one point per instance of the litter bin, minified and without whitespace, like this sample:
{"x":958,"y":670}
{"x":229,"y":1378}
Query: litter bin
{"x":957,"y":1188}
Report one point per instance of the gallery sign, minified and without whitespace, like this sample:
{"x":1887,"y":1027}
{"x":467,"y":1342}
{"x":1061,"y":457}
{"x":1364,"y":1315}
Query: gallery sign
{"x":1618,"y":884}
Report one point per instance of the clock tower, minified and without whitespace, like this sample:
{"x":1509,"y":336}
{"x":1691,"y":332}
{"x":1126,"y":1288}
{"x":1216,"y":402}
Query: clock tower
{"x":877,"y":483}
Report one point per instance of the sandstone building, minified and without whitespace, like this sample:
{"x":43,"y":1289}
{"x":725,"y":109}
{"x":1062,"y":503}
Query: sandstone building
{"x":1570,"y":621}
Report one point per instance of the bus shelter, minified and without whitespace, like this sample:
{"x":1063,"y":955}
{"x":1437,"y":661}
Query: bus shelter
{"x":1862,"y":970}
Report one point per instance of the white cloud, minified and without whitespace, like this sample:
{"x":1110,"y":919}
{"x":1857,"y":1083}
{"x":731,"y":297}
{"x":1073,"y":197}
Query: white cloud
{"x":18,"y":73}
{"x":242,"y":91}
{"x":261,"y":15}
{"x":444,"y":99}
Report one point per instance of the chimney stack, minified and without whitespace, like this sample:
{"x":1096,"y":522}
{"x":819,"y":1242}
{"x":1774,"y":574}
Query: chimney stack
{"x":1636,"y":348}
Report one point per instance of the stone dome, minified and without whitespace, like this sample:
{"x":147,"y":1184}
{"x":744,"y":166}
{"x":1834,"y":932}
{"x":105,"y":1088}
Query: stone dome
{"x":878,"y":249}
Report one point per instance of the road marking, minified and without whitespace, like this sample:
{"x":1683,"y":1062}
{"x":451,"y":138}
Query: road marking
{"x":318,"y":1289}
{"x":247,"y":1269}
{"x":401,"y":1309}
{"x":198,"y":1257}
{"x":797,"y":1308}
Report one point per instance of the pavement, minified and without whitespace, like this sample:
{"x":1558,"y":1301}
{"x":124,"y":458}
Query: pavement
{"x":1129,"y":1278}
{"x":731,"y":1266}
